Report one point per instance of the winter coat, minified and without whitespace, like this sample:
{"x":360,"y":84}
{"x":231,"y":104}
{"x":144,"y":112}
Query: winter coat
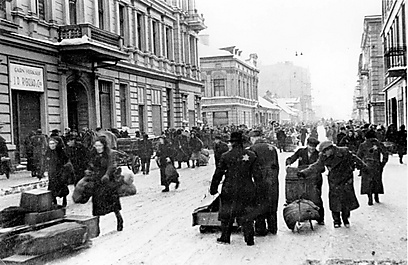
{"x":340,"y":137}
{"x":267,"y":170}
{"x":54,"y":165}
{"x":341,"y":166}
{"x":4,"y":165}
{"x":145,"y":149}
{"x":238,"y":189}
{"x":106,"y":195}
{"x":350,"y":142}
{"x":370,"y":152}
{"x":195,"y":146}
{"x":219,"y":149}
{"x":39,"y":142}
{"x":182,"y":148}
{"x":78,"y":156}
{"x":164,"y":151}
{"x":401,"y":140}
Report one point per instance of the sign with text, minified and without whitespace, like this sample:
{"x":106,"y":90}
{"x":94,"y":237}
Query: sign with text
{"x":23,"y":77}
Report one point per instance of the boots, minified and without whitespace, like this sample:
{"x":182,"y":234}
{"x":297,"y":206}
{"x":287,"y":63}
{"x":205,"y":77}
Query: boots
{"x":248,"y":229}
{"x":370,"y":199}
{"x":400,"y":160}
{"x":179,"y":165}
{"x":166,"y":189}
{"x":376,"y":198}
{"x":64,"y":201}
{"x":225,"y":233}
{"x":119,"y":220}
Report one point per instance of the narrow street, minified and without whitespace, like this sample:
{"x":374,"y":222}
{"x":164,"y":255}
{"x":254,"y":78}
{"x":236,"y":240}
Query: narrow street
{"x":158,"y":230}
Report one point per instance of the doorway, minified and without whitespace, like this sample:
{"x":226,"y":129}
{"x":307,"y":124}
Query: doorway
{"x":78,"y":116}
{"x":26,"y":118}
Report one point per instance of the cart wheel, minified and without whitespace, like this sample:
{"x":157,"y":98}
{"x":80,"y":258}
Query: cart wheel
{"x":204,"y":229}
{"x":135,"y":165}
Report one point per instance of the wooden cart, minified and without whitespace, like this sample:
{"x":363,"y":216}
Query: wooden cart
{"x":127,"y":153}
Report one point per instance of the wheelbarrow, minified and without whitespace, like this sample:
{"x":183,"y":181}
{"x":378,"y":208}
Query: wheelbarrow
{"x":206,"y":216}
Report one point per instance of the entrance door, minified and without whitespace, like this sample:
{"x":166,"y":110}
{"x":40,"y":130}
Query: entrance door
{"x":26,"y":117}
{"x":78,"y":116}
{"x":156,"y":118}
{"x":394,"y":112}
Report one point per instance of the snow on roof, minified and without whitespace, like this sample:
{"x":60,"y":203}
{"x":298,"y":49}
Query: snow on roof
{"x":266,"y":104}
{"x":282,"y":104}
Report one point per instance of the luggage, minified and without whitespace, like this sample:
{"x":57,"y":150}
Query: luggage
{"x":127,"y":190}
{"x":83,"y":190}
{"x":300,"y":211}
{"x":171,"y":173}
{"x":203,"y":160}
{"x":298,"y":187}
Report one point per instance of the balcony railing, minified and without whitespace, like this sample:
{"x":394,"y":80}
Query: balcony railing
{"x":93,"y":33}
{"x":195,"y":21}
{"x":395,"y":59}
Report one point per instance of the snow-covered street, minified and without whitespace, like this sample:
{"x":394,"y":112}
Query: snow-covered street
{"x":158,"y":228}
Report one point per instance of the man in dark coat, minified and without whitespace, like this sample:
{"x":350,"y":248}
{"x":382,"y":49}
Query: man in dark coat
{"x":303,"y":134}
{"x":220,"y":147}
{"x":195,"y":145}
{"x":307,"y":156}
{"x":40,"y":145}
{"x":78,"y":155}
{"x":182,"y":148}
{"x":281,"y":136}
{"x":341,"y":163}
{"x":4,"y":156}
{"x":267,"y":185}
{"x":375,"y":155}
{"x":145,"y":153}
{"x":340,"y":135}
{"x":401,"y":140}
{"x":238,"y":189}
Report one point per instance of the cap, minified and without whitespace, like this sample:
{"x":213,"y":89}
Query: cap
{"x":312,"y":141}
{"x":255,"y":133}
{"x":236,"y":137}
{"x":324,"y":145}
{"x":370,"y":134}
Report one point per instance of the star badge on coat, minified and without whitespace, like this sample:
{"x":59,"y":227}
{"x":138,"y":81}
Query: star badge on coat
{"x":245,"y":157}
{"x":375,"y":147}
{"x":270,"y":147}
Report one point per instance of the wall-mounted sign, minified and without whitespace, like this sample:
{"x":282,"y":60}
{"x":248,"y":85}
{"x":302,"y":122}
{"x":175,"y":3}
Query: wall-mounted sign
{"x":23,"y":77}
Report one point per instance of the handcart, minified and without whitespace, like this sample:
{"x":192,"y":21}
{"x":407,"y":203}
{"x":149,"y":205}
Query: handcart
{"x":206,"y":216}
{"x":300,"y":194}
{"x":130,"y":146}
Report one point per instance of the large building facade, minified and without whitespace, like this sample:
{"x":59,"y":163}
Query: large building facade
{"x":100,"y":63}
{"x":230,"y":94}
{"x":368,"y":96}
{"x":394,"y":38}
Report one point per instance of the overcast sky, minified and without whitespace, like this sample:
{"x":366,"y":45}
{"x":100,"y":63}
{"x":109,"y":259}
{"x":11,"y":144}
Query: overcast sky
{"x":327,"y":32}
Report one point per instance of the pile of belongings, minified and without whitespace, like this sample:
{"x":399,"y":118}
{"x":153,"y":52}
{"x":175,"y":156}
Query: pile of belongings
{"x":300,"y":211}
{"x":204,"y":157}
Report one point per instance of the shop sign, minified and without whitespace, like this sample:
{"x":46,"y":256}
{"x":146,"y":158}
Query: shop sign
{"x":23,"y":77}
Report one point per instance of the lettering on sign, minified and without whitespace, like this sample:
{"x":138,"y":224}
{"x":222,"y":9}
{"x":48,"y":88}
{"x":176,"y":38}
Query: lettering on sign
{"x":23,"y":77}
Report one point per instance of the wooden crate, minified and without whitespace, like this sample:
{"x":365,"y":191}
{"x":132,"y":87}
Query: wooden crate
{"x":36,"y":200}
{"x":41,"y":217}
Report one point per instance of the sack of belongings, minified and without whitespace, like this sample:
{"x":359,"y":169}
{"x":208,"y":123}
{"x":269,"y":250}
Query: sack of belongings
{"x":83,"y":190}
{"x":171,"y":173}
{"x":300,"y":211}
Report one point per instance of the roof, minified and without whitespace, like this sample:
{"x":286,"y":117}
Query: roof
{"x":282,"y":104}
{"x":266,"y":104}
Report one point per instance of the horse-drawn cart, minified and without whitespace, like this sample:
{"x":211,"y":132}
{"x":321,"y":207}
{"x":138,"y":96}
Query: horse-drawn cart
{"x":127,"y":153}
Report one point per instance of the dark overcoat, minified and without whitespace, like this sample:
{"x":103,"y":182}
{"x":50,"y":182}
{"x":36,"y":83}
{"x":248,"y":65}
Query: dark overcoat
{"x":106,"y":196}
{"x":219,"y":149}
{"x":145,"y":149}
{"x":237,"y":196}
{"x":267,"y":168}
{"x":341,"y":184}
{"x":54,"y":165}
{"x":4,"y":165}
{"x":375,"y":155}
{"x":181,"y":146}
{"x":78,"y":155}
{"x":164,"y":151}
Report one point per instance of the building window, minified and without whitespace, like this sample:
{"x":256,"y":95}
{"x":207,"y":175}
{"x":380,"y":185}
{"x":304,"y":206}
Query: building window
{"x":72,"y":12}
{"x":156,"y":98}
{"x":192,"y":51}
{"x":41,"y":9}
{"x":105,"y":89}
{"x":155,"y":37}
{"x":2,"y":8}
{"x":123,"y":104}
{"x":219,"y":87}
{"x":140,"y":31}
{"x":168,"y":49}
{"x":122,"y":21}
{"x":140,"y":95}
{"x":101,"y":14}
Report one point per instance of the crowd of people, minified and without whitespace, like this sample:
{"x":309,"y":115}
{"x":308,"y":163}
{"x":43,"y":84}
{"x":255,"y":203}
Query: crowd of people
{"x":248,"y":166}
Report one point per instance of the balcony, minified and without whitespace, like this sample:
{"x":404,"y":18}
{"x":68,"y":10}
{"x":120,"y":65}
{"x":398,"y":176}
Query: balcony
{"x":395,"y":59}
{"x":364,"y":72}
{"x":87,"y":43}
{"x":195,"y":21}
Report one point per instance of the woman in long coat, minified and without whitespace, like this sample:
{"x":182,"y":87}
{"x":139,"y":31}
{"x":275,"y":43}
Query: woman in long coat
{"x":101,"y":167}
{"x":165,"y":155}
{"x":375,"y":155}
{"x":341,"y":164}
{"x":55,"y":159}
{"x":195,"y":146}
{"x":181,"y":146}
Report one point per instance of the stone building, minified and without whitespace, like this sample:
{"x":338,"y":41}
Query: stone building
{"x":394,"y":39}
{"x":287,"y":80}
{"x":98,"y":63}
{"x":230,"y":93}
{"x":369,"y":99}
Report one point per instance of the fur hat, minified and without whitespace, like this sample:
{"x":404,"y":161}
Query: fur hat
{"x":236,"y":137}
{"x":324,"y":145}
{"x":312,"y":141}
